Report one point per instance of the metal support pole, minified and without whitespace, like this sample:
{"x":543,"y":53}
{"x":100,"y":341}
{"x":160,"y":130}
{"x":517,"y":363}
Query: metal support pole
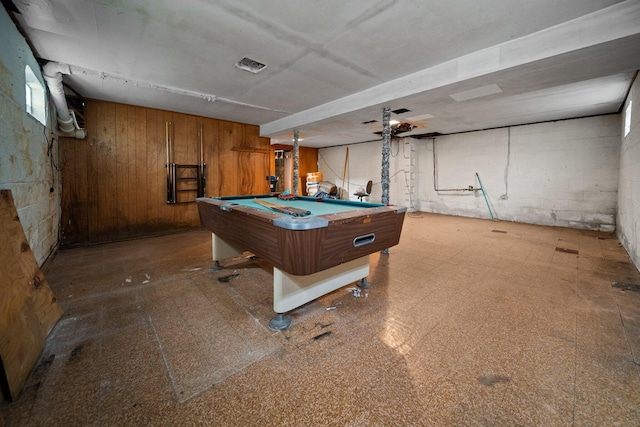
{"x":386,"y":144}
{"x":386,"y":150}
{"x":295,"y":162}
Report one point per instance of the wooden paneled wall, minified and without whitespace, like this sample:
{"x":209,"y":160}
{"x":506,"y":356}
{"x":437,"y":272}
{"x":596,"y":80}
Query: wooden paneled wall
{"x":114,"y":182}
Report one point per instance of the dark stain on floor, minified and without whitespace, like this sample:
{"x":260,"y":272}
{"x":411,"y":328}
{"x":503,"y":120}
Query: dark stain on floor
{"x":490,"y":380}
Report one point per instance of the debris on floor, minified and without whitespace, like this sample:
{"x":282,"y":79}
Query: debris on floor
{"x":322,"y":335}
{"x":626,"y":286}
{"x":227,"y":278}
{"x":490,"y":380}
{"x":357,"y":292}
{"x":334,"y":306}
{"x":567,"y":251}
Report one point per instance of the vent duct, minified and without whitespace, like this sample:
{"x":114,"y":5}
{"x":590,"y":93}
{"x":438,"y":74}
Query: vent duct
{"x":250,"y":65}
{"x":67,"y":125}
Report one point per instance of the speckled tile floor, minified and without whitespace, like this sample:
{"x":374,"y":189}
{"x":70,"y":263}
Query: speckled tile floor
{"x":469,"y":322}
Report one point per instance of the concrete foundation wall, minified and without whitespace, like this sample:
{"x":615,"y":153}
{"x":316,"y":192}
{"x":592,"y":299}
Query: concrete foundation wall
{"x":25,"y":164}
{"x":562,"y":173}
{"x":629,"y":183}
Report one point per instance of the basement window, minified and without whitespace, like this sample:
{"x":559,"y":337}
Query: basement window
{"x":35,"y":96}
{"x":627,"y":119}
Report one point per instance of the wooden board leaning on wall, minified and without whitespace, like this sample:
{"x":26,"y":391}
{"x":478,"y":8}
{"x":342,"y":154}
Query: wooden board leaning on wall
{"x":28,"y":309}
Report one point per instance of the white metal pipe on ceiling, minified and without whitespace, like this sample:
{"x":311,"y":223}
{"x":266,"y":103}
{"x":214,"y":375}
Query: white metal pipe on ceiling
{"x":52,"y":73}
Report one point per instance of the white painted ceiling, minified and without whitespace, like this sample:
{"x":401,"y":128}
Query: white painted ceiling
{"x":458,"y":65}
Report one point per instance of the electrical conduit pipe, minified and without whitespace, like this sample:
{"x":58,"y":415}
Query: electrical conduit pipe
{"x":52,"y":73}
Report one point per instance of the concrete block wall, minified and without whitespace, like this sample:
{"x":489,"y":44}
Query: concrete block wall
{"x":458,"y":158}
{"x":25,"y":165}
{"x":562,"y":173}
{"x":629,"y":180}
{"x":365,"y":164}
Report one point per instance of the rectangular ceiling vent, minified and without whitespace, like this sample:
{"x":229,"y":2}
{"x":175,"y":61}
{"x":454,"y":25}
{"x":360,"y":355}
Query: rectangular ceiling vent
{"x":250,"y":65}
{"x":400,"y":111}
{"x":427,"y":135}
{"x":369,"y":122}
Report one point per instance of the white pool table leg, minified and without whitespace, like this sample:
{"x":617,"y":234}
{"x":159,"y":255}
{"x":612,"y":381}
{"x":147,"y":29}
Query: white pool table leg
{"x":221,"y":250}
{"x":290,"y":291}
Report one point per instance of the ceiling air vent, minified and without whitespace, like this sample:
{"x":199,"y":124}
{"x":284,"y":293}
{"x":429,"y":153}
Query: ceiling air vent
{"x":400,"y":111}
{"x":427,"y":135}
{"x":369,"y":122}
{"x":250,"y":65}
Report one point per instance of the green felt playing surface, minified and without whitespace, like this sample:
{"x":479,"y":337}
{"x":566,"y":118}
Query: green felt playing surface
{"x":316,"y":208}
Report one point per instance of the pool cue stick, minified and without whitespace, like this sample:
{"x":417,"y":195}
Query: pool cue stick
{"x":283,"y":209}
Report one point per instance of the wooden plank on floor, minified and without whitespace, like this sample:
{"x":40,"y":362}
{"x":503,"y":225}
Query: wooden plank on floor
{"x":28,"y":308}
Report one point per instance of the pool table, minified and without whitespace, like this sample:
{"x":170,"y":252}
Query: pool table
{"x":312,"y":255}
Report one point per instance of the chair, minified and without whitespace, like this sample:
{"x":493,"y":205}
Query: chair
{"x":366,"y":193}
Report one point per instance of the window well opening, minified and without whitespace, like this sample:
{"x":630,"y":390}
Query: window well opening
{"x":34,"y":96}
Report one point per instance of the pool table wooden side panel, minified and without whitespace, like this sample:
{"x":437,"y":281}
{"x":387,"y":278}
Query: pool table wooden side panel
{"x":301,"y":250}
{"x":337,"y":246}
{"x":254,"y":233}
